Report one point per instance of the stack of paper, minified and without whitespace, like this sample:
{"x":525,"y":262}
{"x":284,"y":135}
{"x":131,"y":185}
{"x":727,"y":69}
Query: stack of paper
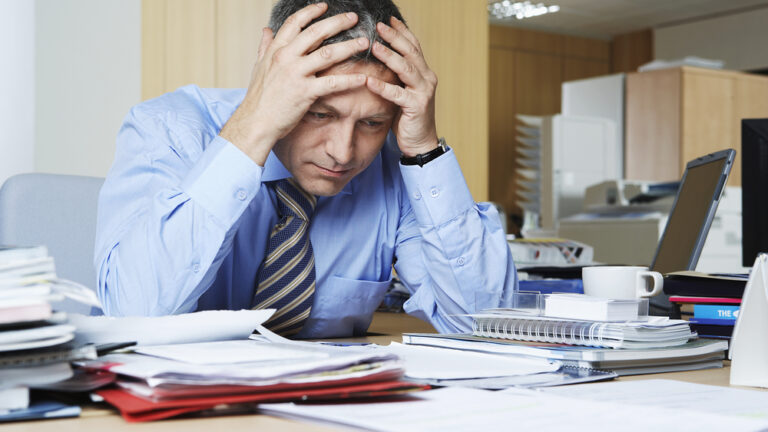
{"x":163,"y":381}
{"x":33,"y":336}
{"x":694,"y":355}
{"x":528,"y":166}
{"x":583,"y":307}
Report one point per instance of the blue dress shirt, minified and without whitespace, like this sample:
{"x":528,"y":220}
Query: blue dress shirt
{"x":184,"y":221}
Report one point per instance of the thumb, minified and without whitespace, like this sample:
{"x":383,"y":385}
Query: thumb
{"x":266,"y":40}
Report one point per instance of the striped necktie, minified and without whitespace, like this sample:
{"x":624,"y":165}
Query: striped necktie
{"x":286,"y":279}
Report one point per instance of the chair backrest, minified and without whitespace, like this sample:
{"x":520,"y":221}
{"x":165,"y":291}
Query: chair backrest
{"x":58,"y":211}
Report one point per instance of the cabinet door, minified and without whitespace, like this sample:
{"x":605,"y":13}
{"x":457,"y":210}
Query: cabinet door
{"x":708,"y":113}
{"x":652,"y":145}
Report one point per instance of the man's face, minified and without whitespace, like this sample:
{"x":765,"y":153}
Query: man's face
{"x":340,"y":134}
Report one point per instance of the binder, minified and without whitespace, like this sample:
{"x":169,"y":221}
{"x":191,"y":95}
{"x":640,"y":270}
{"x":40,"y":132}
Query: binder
{"x":656,"y":332}
{"x":694,"y":284}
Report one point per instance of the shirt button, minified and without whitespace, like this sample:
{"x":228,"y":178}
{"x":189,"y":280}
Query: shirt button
{"x":195,"y":267}
{"x":416,"y":195}
{"x":241,"y":194}
{"x":460,"y":261}
{"x":434,"y":192}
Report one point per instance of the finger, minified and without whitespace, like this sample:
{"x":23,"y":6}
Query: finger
{"x":328,"y":84}
{"x":403,"y":46}
{"x":314,"y":35}
{"x":390,"y":92}
{"x":405,"y":70}
{"x":293,"y":25}
{"x":266,"y":40}
{"x":405,"y":31}
{"x":329,"y":55}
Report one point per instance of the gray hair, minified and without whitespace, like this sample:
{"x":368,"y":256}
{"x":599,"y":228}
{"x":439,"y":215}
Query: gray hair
{"x":369,"y":13}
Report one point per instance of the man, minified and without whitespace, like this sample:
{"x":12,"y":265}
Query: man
{"x":300,"y":193}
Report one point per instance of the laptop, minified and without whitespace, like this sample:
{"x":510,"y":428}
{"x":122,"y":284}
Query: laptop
{"x":692,"y":212}
{"x":690,"y":218}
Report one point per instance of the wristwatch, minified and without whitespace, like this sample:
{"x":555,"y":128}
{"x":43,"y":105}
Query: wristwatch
{"x":421,"y":159}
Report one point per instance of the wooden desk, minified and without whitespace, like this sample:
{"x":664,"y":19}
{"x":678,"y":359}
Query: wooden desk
{"x":386,"y":327}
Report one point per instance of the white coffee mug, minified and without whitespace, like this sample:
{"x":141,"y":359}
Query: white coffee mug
{"x":621,"y":282}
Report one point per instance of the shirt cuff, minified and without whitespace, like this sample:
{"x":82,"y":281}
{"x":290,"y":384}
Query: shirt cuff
{"x":223,"y":181}
{"x":437,"y":190}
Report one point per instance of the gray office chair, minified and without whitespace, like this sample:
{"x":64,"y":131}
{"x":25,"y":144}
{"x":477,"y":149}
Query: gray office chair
{"x":58,"y":211}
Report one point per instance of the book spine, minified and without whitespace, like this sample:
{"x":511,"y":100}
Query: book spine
{"x":717,"y":322}
{"x":559,"y":332}
{"x":716,"y":312}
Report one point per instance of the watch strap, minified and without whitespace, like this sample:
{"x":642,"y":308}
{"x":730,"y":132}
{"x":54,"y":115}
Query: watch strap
{"x":423,"y":158}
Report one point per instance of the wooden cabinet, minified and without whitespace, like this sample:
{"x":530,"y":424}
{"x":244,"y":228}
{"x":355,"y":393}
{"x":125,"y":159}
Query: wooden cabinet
{"x":675,"y":115}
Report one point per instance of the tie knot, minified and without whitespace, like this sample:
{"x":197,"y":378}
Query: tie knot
{"x":293,"y":200}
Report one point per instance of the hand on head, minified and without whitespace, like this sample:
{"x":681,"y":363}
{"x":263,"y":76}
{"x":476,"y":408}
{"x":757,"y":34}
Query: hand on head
{"x":286,"y":81}
{"x":415,"y":125}
{"x":283,"y":84}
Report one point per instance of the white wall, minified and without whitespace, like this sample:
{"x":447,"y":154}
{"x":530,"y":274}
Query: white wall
{"x":741,"y":40}
{"x":88,"y":75}
{"x":17,"y":87}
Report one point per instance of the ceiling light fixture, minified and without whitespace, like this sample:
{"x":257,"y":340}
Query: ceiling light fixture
{"x":520,"y":10}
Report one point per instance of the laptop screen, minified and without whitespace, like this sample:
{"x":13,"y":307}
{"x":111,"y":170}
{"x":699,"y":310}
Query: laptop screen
{"x":692,"y":213}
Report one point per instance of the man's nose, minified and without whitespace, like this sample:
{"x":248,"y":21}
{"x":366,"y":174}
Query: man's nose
{"x":340,"y":144}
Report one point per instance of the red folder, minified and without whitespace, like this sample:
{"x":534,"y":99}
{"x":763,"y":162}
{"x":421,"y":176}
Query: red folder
{"x":136,"y":409}
{"x":714,"y":300}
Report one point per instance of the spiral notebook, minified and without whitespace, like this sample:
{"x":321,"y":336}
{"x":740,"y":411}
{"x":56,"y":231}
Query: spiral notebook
{"x":653,"y":332}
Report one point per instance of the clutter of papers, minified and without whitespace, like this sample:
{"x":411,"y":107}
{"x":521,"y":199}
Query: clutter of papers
{"x":35,"y":340}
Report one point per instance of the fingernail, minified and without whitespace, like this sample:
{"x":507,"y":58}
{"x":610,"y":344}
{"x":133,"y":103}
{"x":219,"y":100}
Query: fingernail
{"x":320,"y":5}
{"x":351,"y":16}
{"x":363,"y":42}
{"x":382,"y":27}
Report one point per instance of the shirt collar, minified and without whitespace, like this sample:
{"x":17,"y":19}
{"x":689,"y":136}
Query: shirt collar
{"x":275,"y":170}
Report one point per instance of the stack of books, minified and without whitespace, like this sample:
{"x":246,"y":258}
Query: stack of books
{"x":712,"y":301}
{"x":35,"y":340}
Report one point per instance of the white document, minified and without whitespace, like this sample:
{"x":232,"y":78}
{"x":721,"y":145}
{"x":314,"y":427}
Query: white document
{"x":677,"y":395}
{"x":230,"y":352}
{"x":461,"y":409}
{"x":422,"y":362}
{"x":185,"y":328}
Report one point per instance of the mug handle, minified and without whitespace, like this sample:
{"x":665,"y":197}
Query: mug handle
{"x":658,"y":284}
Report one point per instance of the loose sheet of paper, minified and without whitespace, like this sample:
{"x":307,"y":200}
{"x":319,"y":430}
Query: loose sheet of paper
{"x":677,"y":395}
{"x":172,"y":329}
{"x":462,"y":409}
{"x":230,"y":352}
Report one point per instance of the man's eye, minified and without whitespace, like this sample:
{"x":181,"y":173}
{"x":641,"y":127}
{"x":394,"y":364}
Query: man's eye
{"x":319,"y":115}
{"x":372,"y":124}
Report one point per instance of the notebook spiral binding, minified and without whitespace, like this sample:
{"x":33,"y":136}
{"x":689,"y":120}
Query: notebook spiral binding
{"x":560,"y":332}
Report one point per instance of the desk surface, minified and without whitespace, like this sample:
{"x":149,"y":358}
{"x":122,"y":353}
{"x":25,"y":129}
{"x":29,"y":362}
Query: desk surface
{"x":386,"y":327}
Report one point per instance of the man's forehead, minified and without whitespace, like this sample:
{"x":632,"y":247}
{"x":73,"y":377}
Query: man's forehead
{"x":376,"y":70}
{"x":360,"y":101}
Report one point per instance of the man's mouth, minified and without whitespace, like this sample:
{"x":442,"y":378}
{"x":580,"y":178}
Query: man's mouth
{"x":336,"y":173}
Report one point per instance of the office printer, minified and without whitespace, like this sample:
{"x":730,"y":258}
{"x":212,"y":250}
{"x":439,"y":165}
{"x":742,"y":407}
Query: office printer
{"x":623,"y":221}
